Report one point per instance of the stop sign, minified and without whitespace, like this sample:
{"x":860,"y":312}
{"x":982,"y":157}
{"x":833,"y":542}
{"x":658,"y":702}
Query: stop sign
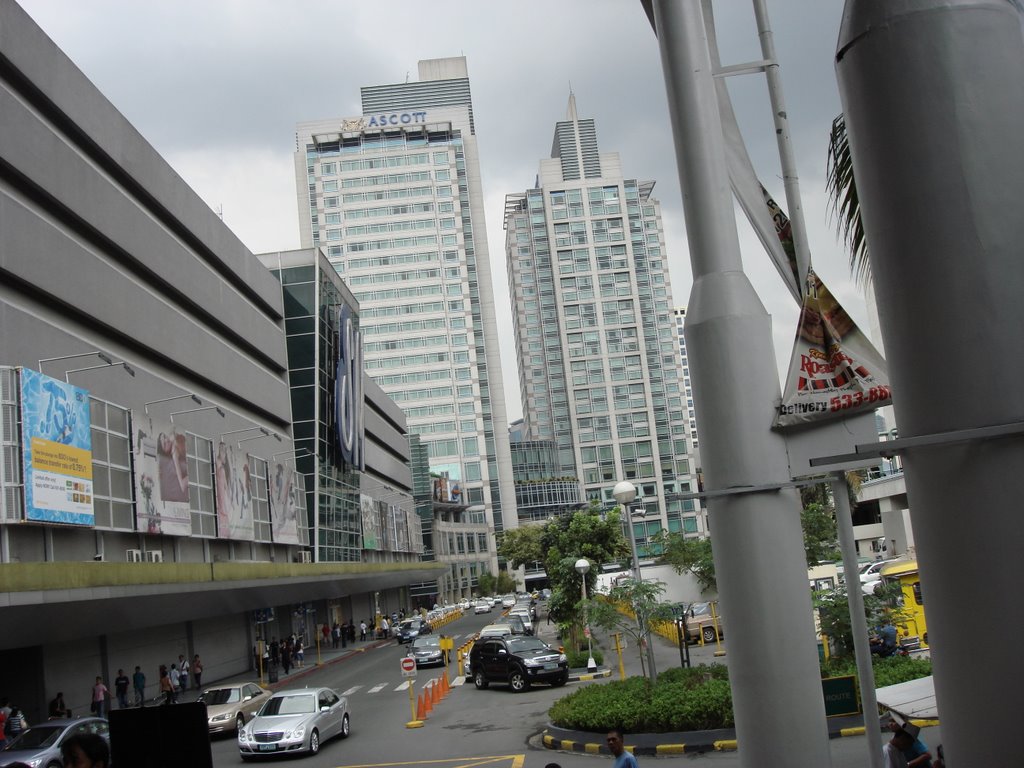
{"x":408,"y":666}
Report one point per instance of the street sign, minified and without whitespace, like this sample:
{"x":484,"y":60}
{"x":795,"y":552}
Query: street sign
{"x":408,"y":666}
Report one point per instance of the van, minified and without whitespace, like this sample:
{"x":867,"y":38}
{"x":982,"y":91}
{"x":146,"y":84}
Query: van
{"x":912,"y":627}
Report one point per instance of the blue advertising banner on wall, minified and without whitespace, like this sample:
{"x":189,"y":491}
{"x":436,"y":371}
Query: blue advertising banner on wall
{"x":57,"y":450}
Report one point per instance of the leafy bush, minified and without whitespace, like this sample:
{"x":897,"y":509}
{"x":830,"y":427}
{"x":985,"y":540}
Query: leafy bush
{"x":579,"y":659}
{"x":888,"y":671}
{"x":681,"y":700}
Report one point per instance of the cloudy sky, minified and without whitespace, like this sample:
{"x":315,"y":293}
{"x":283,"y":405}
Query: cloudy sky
{"x":217,"y":87}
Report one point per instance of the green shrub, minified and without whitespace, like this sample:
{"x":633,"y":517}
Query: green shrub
{"x":681,"y":700}
{"x":579,"y":659}
{"x":888,"y":671}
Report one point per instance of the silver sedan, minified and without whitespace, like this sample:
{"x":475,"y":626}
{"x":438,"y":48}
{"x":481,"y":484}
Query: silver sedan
{"x":295,"y":720}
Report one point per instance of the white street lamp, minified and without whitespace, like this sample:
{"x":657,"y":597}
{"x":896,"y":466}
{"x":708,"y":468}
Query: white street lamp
{"x":582,"y":567}
{"x":624,"y":492}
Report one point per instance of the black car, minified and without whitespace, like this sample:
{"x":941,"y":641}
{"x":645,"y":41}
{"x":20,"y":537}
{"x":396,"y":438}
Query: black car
{"x":427,"y":651}
{"x":410,"y":629}
{"x":517,"y":660}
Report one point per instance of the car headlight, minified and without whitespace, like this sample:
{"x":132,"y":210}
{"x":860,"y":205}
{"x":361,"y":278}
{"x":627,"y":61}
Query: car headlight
{"x":533,"y":663}
{"x":243,"y":734}
{"x":296,"y":733}
{"x":221,"y":718}
{"x":34,"y":762}
{"x":563,"y":659}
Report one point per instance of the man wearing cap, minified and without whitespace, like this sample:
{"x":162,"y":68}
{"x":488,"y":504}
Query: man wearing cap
{"x":905,"y":748}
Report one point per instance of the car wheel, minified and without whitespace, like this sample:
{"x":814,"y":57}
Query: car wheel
{"x":314,"y":742}
{"x":709,"y":634}
{"x":479,"y":680}
{"x":344,"y":726}
{"x":517,"y":680}
{"x":239,"y":721}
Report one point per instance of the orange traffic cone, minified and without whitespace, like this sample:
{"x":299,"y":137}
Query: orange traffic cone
{"x":435,"y":693}
{"x":421,"y":708}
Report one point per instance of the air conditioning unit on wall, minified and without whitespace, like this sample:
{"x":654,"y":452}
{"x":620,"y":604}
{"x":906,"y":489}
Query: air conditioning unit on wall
{"x":133,"y":555}
{"x":154,"y":557}
{"x":304,"y":557}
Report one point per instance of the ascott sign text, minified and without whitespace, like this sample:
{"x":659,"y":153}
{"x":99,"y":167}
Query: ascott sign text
{"x":396,"y":118}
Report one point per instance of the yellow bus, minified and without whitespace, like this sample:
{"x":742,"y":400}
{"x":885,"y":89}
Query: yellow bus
{"x":913,"y":624}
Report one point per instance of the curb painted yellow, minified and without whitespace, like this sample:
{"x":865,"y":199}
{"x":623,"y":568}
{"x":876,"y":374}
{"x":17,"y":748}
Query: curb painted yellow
{"x":670,"y":749}
{"x":725,"y":745}
{"x":592,"y":749}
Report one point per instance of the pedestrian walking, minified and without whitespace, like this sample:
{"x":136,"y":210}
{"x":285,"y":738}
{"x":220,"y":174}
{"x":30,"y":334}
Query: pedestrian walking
{"x":275,"y":652}
{"x":326,"y":632}
{"x":335,"y":634}
{"x":175,"y":676}
{"x":14,"y":724}
{"x":362,"y":631}
{"x":286,"y":655}
{"x":139,"y":684}
{"x":100,"y":693}
{"x":617,"y":747}
{"x":197,"y":671}
{"x":166,"y":685}
{"x":121,"y":683}
{"x":300,"y":653}
{"x":58,"y":709}
{"x":183,"y":672}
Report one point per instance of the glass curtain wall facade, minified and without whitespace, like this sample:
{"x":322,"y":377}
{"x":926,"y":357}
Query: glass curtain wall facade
{"x":599,"y":370}
{"x":691,"y":416}
{"x":393,"y":198}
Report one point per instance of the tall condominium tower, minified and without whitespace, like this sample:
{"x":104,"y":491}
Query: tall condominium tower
{"x":599,"y":370}
{"x":394,"y":198}
{"x":691,"y":417}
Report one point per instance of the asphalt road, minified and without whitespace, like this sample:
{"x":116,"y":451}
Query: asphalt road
{"x":494,"y":727}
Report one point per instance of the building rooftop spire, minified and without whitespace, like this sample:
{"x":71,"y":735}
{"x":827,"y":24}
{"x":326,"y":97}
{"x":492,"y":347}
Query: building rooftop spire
{"x":570,"y":113}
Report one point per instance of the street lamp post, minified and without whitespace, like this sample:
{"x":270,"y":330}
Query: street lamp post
{"x":583,"y":566}
{"x":625,"y":492}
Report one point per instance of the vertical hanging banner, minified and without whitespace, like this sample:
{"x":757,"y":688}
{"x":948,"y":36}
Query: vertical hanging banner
{"x":284,"y":506}
{"x":57,"y":450}
{"x":161,"y":477}
{"x":233,"y":489}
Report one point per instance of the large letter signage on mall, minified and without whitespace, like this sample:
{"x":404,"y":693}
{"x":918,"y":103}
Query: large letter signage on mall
{"x":348,"y":390}
{"x":57,"y":446}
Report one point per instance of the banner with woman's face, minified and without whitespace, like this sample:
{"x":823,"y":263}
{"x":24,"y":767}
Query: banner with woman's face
{"x":285,"y":506}
{"x":161,"y":477}
{"x":233,"y":493}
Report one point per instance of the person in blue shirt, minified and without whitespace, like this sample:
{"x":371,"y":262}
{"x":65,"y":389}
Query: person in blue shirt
{"x":617,"y":747}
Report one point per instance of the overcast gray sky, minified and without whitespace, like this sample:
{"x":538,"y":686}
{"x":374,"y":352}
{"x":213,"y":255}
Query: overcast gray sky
{"x":217,"y":87}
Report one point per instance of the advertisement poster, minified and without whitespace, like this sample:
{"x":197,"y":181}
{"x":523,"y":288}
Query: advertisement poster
{"x":285,"y":506}
{"x":233,"y":492}
{"x":371,"y":522}
{"x":57,"y":450}
{"x":161,"y":477}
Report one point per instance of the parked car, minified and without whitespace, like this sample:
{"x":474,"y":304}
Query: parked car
{"x":230,"y":706}
{"x":525,"y":617}
{"x":873,"y":571}
{"x":481,"y":606}
{"x":700,"y":624}
{"x":294,"y":720}
{"x":494,"y":630}
{"x":40,"y":745}
{"x":518,"y":661}
{"x":464,"y":604}
{"x":426,"y":649}
{"x":412,"y":628}
{"x":507,"y":601}
{"x":515,"y":622}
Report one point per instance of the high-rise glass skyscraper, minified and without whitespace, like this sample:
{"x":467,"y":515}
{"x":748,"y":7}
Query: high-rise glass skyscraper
{"x":599,"y":370}
{"x":394,"y":198}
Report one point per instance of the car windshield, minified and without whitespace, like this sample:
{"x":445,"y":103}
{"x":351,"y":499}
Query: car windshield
{"x":37,"y":738}
{"x":299,"y":704}
{"x":221,"y":696}
{"x":411,"y":624}
{"x":518,"y":645}
{"x":700,"y":609}
{"x":426,"y":641}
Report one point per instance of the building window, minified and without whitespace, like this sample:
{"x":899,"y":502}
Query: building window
{"x":200,"y":485}
{"x":111,"y":466}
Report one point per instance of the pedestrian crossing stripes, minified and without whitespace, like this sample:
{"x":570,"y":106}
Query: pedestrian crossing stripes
{"x":403,"y":686}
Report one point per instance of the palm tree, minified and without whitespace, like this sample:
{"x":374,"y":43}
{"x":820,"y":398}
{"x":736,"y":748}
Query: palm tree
{"x":842,"y":191}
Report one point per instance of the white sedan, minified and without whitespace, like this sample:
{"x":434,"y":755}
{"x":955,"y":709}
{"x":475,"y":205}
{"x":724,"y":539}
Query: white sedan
{"x":481,"y":606}
{"x":292,"y":721}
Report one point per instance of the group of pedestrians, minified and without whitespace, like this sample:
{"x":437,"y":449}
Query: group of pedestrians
{"x":340,"y":634}
{"x":175,"y":680}
{"x":12,"y":722}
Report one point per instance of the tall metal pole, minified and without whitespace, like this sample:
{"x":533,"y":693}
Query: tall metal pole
{"x":858,"y":624}
{"x":759,"y":557}
{"x":934,"y":104}
{"x":645,"y":634}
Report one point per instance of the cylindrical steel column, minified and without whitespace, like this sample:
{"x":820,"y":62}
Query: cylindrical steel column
{"x":759,"y":556}
{"x":933,"y":95}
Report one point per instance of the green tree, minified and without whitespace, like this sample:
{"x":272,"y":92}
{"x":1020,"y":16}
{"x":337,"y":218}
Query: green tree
{"x":833,"y":608}
{"x":841,"y":187}
{"x":558,"y":544}
{"x":505,"y":583}
{"x":819,"y":527}
{"x":688,"y":556}
{"x":643,"y":598}
{"x":486,"y":584}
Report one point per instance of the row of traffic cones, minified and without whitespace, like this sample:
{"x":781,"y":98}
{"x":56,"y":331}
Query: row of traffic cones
{"x":431,"y":696}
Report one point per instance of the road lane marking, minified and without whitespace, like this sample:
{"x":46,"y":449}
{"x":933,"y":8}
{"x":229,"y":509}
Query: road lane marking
{"x":351,"y":690}
{"x":378,"y":688}
{"x":404,"y":686}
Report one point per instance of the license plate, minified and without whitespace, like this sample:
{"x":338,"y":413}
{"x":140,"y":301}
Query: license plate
{"x":267,"y":747}
{"x":551,"y":666}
